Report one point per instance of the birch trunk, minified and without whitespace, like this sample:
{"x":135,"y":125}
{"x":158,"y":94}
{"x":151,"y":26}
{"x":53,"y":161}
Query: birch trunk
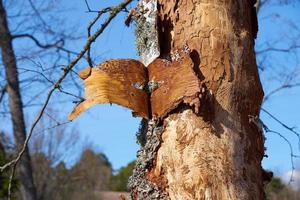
{"x":216,"y":153}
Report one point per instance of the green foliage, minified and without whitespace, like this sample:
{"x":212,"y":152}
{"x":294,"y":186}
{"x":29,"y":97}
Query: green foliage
{"x":119,"y":181}
{"x":275,"y":186}
{"x":277,"y":190}
{"x":4,"y":177}
{"x":88,"y":176}
{"x":93,"y":171}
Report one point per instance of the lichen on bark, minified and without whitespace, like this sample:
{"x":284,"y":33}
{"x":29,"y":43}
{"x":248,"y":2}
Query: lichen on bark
{"x":214,"y":154}
{"x":147,"y":43}
{"x":140,"y":186}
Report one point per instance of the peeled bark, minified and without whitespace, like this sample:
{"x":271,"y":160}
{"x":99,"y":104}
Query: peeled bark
{"x":215,"y":153}
{"x":28,"y":190}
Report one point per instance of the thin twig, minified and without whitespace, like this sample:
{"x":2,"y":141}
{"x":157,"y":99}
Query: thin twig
{"x":2,"y":92}
{"x":70,"y":94}
{"x":274,"y":49}
{"x":52,"y":118}
{"x":58,"y":43}
{"x":11,"y":177}
{"x":51,"y":127}
{"x":35,"y":71}
{"x":67,"y":69}
{"x":267,"y":130}
{"x":92,"y":23}
{"x":291,"y":129}
{"x":45,"y":24}
{"x":87,"y":5}
{"x":282,"y":87}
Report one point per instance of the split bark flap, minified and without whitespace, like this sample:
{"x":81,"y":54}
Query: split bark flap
{"x":114,"y":82}
{"x":178,"y":83}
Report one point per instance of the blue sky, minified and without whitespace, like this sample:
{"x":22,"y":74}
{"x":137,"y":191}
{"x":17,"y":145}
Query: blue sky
{"x":112,"y":128}
{"x":284,"y":105}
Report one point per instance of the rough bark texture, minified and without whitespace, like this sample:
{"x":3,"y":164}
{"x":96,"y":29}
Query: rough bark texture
{"x":217,"y":153}
{"x":28,"y":190}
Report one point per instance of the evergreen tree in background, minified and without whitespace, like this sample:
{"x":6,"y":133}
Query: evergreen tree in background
{"x":277,"y":190}
{"x":4,"y":177}
{"x":84,"y":180}
{"x":119,"y":181}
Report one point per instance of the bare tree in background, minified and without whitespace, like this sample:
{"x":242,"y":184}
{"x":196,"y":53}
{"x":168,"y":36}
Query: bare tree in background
{"x":278,"y":61}
{"x":51,"y":144}
{"x":52,"y":46}
{"x":28,"y":189}
{"x":165,"y":33}
{"x":109,"y":13}
{"x":281,"y":73}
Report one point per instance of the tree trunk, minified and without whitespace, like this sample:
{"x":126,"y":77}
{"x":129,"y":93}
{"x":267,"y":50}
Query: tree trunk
{"x":28,"y":190}
{"x":215,"y":153}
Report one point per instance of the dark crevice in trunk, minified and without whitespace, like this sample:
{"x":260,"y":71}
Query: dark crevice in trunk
{"x":165,"y":28}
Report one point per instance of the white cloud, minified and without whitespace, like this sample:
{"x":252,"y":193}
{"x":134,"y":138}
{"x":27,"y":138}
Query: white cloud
{"x":296,"y":178}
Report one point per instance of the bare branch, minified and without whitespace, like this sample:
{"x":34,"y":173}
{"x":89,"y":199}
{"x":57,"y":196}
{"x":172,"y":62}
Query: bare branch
{"x":291,"y":129}
{"x":2,"y":92}
{"x":70,"y":94}
{"x":37,"y":72}
{"x":11,"y":177}
{"x":52,"y":127}
{"x":282,"y":87}
{"x":92,"y":23}
{"x":292,"y":155}
{"x":56,"y":44}
{"x":87,"y":5}
{"x":39,"y":16}
{"x":113,"y":13}
{"x":274,"y":49}
{"x":59,"y":44}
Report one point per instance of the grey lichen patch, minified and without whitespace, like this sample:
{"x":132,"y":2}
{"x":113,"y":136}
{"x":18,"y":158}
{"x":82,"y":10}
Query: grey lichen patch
{"x":147,"y":43}
{"x":153,"y":85}
{"x":141,"y":188}
{"x":177,"y":54}
{"x":149,"y":86}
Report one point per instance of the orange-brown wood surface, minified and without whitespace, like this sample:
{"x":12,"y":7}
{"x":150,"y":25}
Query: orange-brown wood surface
{"x":112,"y":82}
{"x":178,"y":83}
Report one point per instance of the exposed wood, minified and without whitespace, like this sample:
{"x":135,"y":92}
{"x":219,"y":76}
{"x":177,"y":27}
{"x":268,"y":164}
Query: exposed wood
{"x":200,"y":144}
{"x":84,"y":74}
{"x":113,"y":82}
{"x":217,"y":154}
